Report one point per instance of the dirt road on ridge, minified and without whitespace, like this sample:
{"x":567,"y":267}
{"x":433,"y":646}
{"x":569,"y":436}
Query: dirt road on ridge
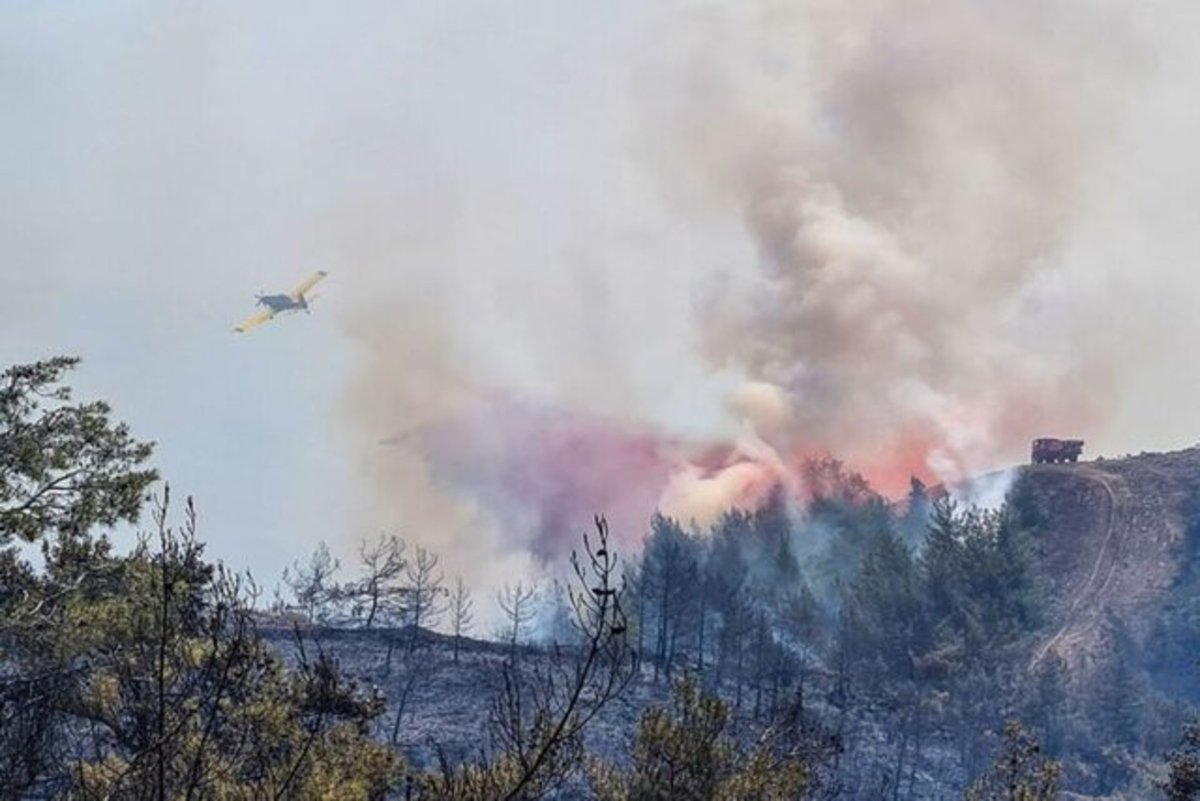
{"x":1085,"y":610}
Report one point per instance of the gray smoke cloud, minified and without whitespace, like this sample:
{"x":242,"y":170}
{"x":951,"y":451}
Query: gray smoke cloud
{"x":911,"y":176}
{"x":614,"y":255}
{"x":904,"y":253}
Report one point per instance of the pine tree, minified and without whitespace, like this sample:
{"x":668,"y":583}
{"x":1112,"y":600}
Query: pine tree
{"x":776,"y":565}
{"x":462,"y":613}
{"x":1183,"y":783}
{"x":517,"y":601}
{"x":686,"y":752}
{"x":312,"y":583}
{"x":1020,"y":773}
{"x":912,"y":524}
{"x":670,"y":586}
{"x":64,"y":467}
{"x":942,"y":563}
{"x":379,"y":591}
{"x":886,"y":600}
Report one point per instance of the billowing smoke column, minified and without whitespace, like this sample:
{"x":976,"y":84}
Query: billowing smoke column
{"x":909,"y":175}
{"x":900,"y":183}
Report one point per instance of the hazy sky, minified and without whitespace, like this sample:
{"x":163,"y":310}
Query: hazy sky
{"x":162,"y":164}
{"x":594,"y":207}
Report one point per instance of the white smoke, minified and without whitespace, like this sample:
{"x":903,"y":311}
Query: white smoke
{"x":912,"y":176}
{"x":898,"y":255}
{"x":717,"y":236}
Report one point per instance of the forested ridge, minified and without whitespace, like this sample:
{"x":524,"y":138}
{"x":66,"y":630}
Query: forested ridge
{"x":848,"y":647}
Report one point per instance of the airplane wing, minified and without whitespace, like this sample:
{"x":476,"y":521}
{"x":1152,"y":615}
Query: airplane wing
{"x":254,"y":321}
{"x":308,"y":284}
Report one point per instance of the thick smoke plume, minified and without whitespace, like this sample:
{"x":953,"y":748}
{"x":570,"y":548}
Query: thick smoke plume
{"x":887,"y":200}
{"x":910,"y":175}
{"x":602,"y":257}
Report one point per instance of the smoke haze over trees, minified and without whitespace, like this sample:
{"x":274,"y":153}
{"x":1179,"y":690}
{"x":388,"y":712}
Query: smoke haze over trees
{"x":912,"y":215}
{"x":695,"y":244}
{"x":761,"y":282}
{"x":856,"y":647}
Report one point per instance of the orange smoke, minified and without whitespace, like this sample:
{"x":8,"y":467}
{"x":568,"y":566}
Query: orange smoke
{"x":542,"y":471}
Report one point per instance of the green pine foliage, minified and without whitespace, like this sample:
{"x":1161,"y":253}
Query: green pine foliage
{"x":141,"y":675}
{"x":904,"y":628}
{"x":1020,"y":773}
{"x":686,"y":751}
{"x":64,"y":467}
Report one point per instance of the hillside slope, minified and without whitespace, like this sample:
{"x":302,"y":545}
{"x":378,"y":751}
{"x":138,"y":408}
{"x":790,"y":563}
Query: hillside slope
{"x":1112,"y":539}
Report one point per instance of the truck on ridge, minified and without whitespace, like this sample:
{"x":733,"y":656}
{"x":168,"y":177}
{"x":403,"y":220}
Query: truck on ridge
{"x":1054,"y":451}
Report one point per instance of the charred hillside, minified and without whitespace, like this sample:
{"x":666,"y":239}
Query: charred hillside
{"x":850,"y":647}
{"x":1115,"y":553}
{"x":905,"y":634}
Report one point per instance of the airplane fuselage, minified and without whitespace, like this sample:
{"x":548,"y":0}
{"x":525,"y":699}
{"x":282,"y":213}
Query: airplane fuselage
{"x":280,"y":303}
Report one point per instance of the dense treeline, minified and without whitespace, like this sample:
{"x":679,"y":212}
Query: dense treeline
{"x":857,"y":648}
{"x":908,"y":628}
{"x":915,"y":642}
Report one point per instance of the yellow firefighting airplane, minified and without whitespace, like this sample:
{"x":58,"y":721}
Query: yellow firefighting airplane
{"x":272,"y":305}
